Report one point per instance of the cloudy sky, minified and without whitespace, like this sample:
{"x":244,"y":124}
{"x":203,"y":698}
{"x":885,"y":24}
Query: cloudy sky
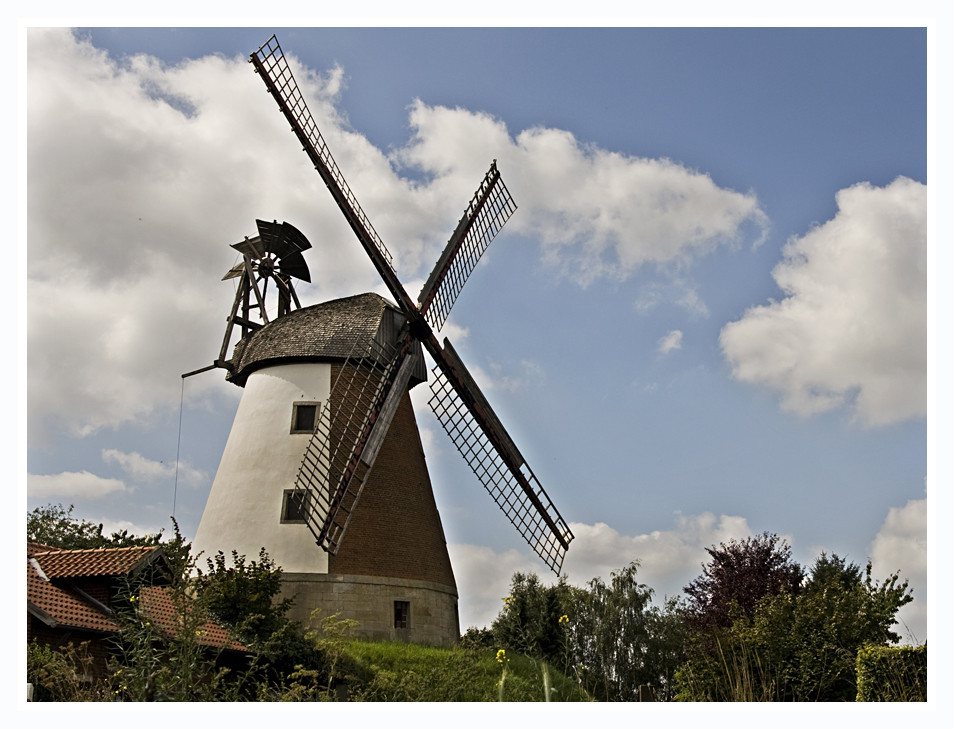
{"x":706,"y":320}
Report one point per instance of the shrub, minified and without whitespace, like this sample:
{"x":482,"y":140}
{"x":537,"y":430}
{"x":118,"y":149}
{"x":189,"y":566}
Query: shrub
{"x":892,"y":673}
{"x":62,"y":675}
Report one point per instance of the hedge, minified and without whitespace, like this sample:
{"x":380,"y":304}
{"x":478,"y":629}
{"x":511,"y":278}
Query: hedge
{"x":892,"y":673}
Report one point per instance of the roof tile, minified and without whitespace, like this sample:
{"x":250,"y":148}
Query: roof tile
{"x":103,"y":562}
{"x":158,"y":603}
{"x":331,"y":330}
{"x":63,"y":607}
{"x":58,"y":604}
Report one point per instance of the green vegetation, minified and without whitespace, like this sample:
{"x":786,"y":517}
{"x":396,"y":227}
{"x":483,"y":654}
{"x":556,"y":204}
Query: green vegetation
{"x":408,"y":672}
{"x":797,"y":642}
{"x":754,"y":626}
{"x":55,"y":526}
{"x":608,"y":636}
{"x":896,"y":673}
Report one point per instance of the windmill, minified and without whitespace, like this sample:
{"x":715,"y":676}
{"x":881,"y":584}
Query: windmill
{"x":351,"y":423}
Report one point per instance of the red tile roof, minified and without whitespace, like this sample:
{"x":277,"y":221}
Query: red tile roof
{"x":103,"y":562}
{"x":35,"y":547}
{"x":158,"y":603}
{"x":52,"y":597}
{"x":57,"y":607}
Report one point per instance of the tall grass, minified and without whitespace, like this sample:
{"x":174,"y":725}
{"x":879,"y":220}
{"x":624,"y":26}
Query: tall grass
{"x":408,"y":672}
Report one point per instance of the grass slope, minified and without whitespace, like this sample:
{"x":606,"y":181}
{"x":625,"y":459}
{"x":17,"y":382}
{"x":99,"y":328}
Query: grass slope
{"x":407,"y":672}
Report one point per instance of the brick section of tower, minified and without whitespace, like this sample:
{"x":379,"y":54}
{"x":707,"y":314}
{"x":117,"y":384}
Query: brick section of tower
{"x":396,"y":530}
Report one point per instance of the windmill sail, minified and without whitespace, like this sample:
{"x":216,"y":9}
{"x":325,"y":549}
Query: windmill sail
{"x":348,"y":434}
{"x":486,"y":214}
{"x":270,"y":63}
{"x":493,"y":457}
{"x":355,"y":419}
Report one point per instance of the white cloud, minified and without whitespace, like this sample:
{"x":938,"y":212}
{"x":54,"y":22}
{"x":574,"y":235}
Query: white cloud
{"x":693,"y":303}
{"x":671,"y":341}
{"x":144,"y":469}
{"x":111,"y":526}
{"x":597,"y":213}
{"x":669,"y":560}
{"x":69,"y":485}
{"x":678,"y":291}
{"x":509,"y":379}
{"x":852,"y":329}
{"x":901,"y":546}
{"x":140,"y":175}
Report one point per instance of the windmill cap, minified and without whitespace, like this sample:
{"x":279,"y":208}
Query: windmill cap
{"x":327,"y":332}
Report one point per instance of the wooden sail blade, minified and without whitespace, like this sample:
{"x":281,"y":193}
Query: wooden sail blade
{"x":488,"y":210}
{"x":251,"y":247}
{"x":349,"y":431}
{"x":294,"y":264}
{"x":481,"y":439}
{"x":270,"y":63}
{"x":282,"y":239}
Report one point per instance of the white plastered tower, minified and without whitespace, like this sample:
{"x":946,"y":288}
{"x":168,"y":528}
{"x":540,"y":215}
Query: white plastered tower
{"x":392,"y":573}
{"x":244,"y":511}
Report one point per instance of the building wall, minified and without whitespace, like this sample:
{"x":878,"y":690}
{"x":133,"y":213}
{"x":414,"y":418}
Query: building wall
{"x":394,"y":548}
{"x":396,"y":530}
{"x":433,"y":618}
{"x":260,"y":461}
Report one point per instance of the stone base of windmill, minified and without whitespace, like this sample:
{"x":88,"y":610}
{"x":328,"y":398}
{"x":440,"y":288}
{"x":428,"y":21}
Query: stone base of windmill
{"x":386,"y":608}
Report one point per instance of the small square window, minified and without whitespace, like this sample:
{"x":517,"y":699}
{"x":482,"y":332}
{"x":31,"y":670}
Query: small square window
{"x":402,"y":613}
{"x":294,"y":506}
{"x":304,"y":416}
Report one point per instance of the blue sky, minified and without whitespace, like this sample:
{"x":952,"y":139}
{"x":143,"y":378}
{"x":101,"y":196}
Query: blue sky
{"x":706,"y":320}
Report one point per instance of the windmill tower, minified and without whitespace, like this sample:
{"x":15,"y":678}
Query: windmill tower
{"x":325,"y":449}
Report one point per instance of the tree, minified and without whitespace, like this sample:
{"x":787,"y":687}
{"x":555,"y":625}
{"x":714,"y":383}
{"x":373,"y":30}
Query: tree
{"x":797,"y":647}
{"x":609,"y":635}
{"x":533,"y":617}
{"x":55,"y":526}
{"x":621,"y":641}
{"x":245,"y":597}
{"x":840,"y":610}
{"x":738,"y":575}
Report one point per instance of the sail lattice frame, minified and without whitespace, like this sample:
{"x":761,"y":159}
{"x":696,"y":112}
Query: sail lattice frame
{"x":498,"y":478}
{"x":332,"y":473}
{"x":488,"y":210}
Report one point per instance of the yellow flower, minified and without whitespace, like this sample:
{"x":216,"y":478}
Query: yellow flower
{"x":501,"y":655}
{"x":133,"y":598}
{"x":564,"y":619}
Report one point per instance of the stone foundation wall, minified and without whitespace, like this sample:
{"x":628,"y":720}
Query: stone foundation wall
{"x":432,"y":619}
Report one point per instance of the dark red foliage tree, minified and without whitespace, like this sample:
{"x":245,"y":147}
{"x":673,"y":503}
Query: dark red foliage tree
{"x":738,"y":575}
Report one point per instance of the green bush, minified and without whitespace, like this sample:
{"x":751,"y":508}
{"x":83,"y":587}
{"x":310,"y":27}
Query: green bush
{"x":796,"y":646}
{"x":892,"y":673}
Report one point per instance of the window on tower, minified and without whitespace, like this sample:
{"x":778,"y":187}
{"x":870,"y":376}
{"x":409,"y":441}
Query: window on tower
{"x":402,"y":614}
{"x":294,"y":506}
{"x":303,"y":417}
